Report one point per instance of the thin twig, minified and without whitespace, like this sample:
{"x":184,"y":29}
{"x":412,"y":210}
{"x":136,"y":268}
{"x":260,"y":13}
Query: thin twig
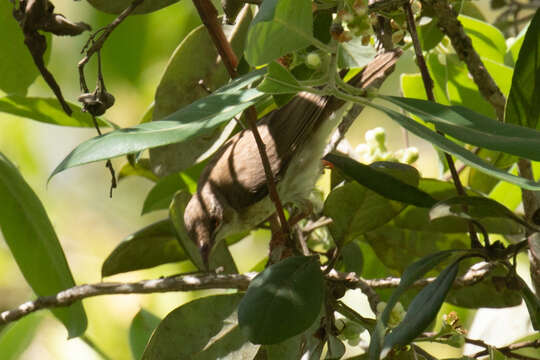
{"x":428,"y":86}
{"x":209,"y":17}
{"x":505,"y":350}
{"x":217,"y":281}
{"x":97,"y":44}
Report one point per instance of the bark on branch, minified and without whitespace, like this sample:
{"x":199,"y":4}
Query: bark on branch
{"x":210,"y":281}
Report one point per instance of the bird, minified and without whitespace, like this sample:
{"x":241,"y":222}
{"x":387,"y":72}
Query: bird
{"x":232,"y":194}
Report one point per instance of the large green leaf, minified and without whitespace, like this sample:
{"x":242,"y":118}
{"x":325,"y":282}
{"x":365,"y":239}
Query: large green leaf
{"x":161,"y":194}
{"x":380,"y":182}
{"x":16,"y":337}
{"x":487,"y":40}
{"x":219,"y":255}
{"x":422,"y":310}
{"x":282,"y":301}
{"x":355,"y":210}
{"x":416,"y":218}
{"x":204,"y":329}
{"x":523,"y":107}
{"x":281,"y":26}
{"x":473,"y":128}
{"x":141,"y":328}
{"x":193,"y":120}
{"x":486,"y":293}
{"x":32,"y":240}
{"x":397,"y":247}
{"x":47,"y":110}
{"x":448,"y":146}
{"x":151,"y":246}
{"x":117,"y":6}
{"x":16,"y":64}
{"x":469,"y":207}
{"x":193,"y":70}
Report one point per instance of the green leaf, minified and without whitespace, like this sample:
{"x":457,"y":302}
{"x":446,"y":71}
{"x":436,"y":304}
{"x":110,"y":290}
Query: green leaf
{"x":151,"y":246}
{"x":336,"y":348}
{"x":16,"y":64}
{"x":532,"y":301}
{"x":282,"y":301}
{"x":356,"y":210}
{"x":161,"y":194}
{"x":280,"y":27}
{"x":473,"y":128}
{"x":193,"y":120}
{"x":117,"y":6}
{"x":410,"y":275}
{"x":220,"y":254}
{"x":476,"y":208}
{"x":352,"y":54}
{"x":384,"y":184}
{"x":305,"y":345}
{"x":516,"y":45}
{"x":462,"y":90}
{"x":450,"y":147}
{"x":32,"y":240}
{"x":429,"y":35}
{"x":397,"y":248}
{"x":140,"y":168}
{"x":487,"y":40}
{"x":194,"y":70}
{"x":141,"y":328}
{"x":522,"y":106}
{"x":491,"y":292}
{"x":47,"y":110}
{"x":353,"y":258}
{"x":279,"y":81}
{"x":415,"y":218}
{"x":203,"y":329}
{"x":422,"y":310}
{"x":16,"y":337}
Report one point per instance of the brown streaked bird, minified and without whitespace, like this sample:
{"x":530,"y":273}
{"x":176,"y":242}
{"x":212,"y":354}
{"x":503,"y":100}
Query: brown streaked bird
{"x":232,"y":194}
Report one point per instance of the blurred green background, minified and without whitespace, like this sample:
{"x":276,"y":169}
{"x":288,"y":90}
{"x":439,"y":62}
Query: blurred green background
{"x":88,"y":223}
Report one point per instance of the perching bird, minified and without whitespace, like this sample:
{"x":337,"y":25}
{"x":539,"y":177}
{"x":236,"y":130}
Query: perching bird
{"x":232,"y":194}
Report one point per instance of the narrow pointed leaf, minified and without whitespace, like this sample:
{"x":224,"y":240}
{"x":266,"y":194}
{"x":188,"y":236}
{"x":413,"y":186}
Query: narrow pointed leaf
{"x":523,"y":107}
{"x":47,"y":110}
{"x":476,"y":208}
{"x":461,"y":153}
{"x":473,"y":128}
{"x":195,"y":119}
{"x":380,"y":182}
{"x":422,"y":310}
{"x":34,"y":244}
{"x":410,"y":275}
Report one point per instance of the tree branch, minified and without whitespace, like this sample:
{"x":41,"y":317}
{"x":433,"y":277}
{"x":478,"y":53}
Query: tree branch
{"x":451,"y":27}
{"x":506,"y":350}
{"x":428,"y":86}
{"x":215,"y":281}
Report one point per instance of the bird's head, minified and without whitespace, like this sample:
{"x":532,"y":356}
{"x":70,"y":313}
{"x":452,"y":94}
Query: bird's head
{"x":203,"y":218}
